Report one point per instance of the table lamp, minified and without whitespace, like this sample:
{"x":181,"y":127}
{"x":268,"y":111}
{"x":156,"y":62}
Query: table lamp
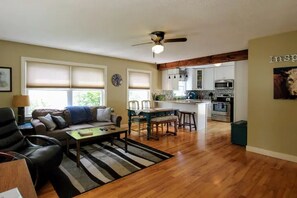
{"x":20,"y":102}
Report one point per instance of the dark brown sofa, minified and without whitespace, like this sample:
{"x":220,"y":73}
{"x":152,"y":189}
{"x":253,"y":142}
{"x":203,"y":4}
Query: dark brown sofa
{"x":60,"y":134}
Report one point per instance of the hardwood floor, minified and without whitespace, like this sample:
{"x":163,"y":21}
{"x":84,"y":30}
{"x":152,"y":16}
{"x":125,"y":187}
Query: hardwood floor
{"x":205,"y":164}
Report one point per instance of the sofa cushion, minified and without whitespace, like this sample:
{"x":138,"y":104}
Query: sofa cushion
{"x":80,"y":126}
{"x":48,"y":122}
{"x":80,"y":114}
{"x":104,"y":114}
{"x":100,"y":124}
{"x":60,"y":122}
{"x":59,"y":134}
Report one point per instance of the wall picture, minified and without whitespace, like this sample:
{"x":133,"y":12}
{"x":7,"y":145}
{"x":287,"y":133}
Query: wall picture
{"x":285,"y":82}
{"x":5,"y":79}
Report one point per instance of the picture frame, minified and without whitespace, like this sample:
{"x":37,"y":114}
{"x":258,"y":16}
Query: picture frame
{"x":285,"y":83}
{"x":5,"y":79}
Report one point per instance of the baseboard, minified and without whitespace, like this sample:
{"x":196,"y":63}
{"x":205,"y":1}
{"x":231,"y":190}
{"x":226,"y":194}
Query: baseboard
{"x":274,"y":154}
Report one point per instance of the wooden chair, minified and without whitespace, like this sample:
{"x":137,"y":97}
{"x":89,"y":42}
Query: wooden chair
{"x":146,"y":104}
{"x":164,"y":120}
{"x":139,"y":120}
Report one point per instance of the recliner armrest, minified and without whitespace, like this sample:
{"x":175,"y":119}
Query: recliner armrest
{"x":47,"y":139}
{"x":116,"y":119}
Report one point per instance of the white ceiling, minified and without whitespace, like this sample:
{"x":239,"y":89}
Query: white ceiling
{"x":110,"y":27}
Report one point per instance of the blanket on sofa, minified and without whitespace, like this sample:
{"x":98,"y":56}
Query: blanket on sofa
{"x":79,"y":114}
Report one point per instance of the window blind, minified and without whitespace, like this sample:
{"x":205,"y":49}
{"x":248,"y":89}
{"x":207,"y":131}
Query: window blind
{"x":87,"y":77}
{"x":45,"y":75}
{"x":48,"y":75}
{"x":139,"y":80}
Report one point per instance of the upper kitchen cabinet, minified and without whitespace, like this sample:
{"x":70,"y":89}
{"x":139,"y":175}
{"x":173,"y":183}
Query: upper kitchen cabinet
{"x":225,"y":72}
{"x":170,"y":79}
{"x":200,"y":79}
{"x":208,"y":79}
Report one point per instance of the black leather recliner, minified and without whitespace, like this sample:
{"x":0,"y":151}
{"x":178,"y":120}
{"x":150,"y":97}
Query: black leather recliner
{"x":41,"y":159}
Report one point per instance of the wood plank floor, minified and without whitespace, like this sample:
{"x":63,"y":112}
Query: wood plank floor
{"x":205,"y":164}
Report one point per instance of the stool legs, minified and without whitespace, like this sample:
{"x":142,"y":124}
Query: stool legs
{"x":193,"y":115}
{"x":190,"y":116}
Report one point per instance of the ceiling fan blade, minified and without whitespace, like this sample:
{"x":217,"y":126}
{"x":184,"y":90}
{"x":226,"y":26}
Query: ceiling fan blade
{"x":175,"y":40}
{"x":143,"y":43}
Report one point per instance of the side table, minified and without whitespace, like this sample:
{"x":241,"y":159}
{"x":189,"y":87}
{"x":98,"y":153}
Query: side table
{"x":27,"y":128}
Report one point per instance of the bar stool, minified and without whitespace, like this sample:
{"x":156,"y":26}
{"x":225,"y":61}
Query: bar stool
{"x":184,"y":123}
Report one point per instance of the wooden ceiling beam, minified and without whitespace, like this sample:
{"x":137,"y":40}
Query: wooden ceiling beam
{"x":219,"y":58}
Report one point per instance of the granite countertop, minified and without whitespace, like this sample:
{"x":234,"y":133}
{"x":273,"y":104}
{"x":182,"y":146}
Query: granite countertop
{"x":187,"y":101}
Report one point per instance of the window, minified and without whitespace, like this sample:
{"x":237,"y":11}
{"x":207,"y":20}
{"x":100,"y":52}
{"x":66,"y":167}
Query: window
{"x":139,"y":83}
{"x":181,"y":89}
{"x":55,"y":84}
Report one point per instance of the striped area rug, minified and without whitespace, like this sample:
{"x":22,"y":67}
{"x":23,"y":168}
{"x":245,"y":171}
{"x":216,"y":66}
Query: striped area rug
{"x":102,"y":163}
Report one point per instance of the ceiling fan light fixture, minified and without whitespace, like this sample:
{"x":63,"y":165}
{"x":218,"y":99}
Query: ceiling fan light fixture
{"x":158,"y":48}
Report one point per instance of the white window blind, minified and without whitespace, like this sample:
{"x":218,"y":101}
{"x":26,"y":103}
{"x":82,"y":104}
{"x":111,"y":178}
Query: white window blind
{"x":45,"y":75}
{"x":87,"y":77}
{"x":139,"y":80}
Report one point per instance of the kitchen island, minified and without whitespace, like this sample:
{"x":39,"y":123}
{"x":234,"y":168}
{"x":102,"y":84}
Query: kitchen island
{"x":197,"y":106}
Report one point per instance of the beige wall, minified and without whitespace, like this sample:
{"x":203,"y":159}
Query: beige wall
{"x":271,"y":123}
{"x":11,"y":53}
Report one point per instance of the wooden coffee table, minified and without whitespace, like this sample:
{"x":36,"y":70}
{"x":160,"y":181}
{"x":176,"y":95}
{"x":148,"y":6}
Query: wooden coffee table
{"x":95,"y":133}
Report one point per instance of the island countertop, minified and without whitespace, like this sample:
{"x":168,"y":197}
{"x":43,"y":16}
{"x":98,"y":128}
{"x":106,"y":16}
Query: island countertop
{"x":191,"y":105}
{"x":187,"y":101}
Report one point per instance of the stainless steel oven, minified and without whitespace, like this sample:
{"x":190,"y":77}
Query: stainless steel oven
{"x":221,"y":111}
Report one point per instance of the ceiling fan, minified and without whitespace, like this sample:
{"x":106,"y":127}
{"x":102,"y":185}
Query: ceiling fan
{"x":158,"y":38}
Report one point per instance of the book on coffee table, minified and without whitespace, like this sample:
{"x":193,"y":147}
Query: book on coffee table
{"x":85,"y":133}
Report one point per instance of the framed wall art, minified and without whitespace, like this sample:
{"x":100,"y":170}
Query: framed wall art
{"x":285,"y":82}
{"x":5,"y":79}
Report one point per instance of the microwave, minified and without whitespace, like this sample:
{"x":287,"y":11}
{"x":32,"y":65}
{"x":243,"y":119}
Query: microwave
{"x":224,"y":84}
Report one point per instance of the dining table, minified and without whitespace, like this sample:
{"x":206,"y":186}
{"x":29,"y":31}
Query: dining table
{"x":148,"y":114}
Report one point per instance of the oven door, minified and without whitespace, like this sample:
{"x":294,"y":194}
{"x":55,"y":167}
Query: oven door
{"x":221,"y":111}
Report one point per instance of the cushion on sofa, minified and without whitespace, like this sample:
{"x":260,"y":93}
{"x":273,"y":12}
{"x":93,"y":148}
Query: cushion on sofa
{"x":48,"y":122}
{"x":94,"y":112}
{"x":104,"y":115}
{"x":60,"y":122}
{"x":79,"y":114}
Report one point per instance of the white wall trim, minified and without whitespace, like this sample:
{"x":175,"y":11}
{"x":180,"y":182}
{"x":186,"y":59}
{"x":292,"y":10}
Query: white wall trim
{"x":274,"y":154}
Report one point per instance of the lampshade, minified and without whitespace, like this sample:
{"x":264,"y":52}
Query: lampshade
{"x":20,"y":101}
{"x":158,"y":48}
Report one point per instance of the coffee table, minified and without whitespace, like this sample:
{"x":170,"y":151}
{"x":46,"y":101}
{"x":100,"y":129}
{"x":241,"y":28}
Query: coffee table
{"x":95,"y":133}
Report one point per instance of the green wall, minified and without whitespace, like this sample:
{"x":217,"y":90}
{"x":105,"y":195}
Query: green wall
{"x":271,"y":123}
{"x":11,"y":53}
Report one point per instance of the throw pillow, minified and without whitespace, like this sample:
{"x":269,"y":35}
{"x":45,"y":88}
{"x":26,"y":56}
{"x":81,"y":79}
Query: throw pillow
{"x":59,"y":120}
{"x":48,"y":122}
{"x":104,"y":114}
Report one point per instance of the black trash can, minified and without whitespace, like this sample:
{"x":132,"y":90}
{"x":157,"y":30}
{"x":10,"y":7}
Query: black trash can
{"x":239,"y":132}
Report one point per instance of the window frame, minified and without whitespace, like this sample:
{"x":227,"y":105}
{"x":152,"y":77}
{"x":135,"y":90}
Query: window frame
{"x":24,"y":89}
{"x":128,"y":82}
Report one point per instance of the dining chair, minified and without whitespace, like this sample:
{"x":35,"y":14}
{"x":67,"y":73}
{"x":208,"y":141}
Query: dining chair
{"x":137,"y":119}
{"x":146,"y":104}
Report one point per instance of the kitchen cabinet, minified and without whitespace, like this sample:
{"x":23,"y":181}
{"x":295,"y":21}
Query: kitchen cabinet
{"x":195,"y":79}
{"x":225,"y":72}
{"x":208,"y":79}
{"x":200,"y":79}
{"x":170,"y":79}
